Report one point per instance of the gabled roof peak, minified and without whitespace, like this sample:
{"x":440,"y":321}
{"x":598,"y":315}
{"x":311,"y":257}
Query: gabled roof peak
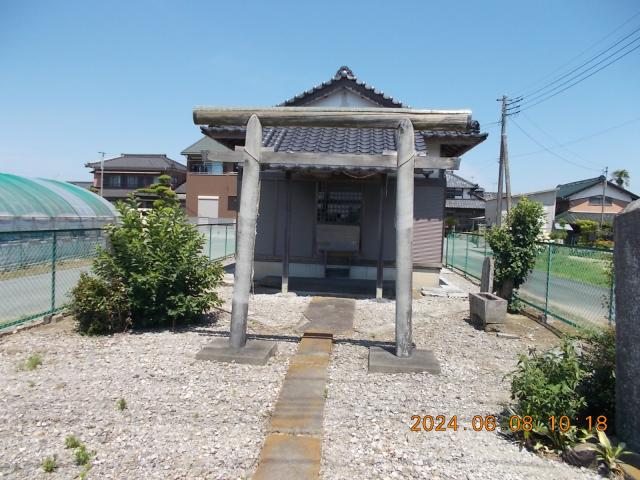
{"x":344,"y":72}
{"x":344,"y":78}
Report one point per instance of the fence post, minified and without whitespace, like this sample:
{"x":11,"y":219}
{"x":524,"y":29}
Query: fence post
{"x":210,"y":240}
{"x":453,"y":250}
{"x":54,"y":254}
{"x":466,"y":255}
{"x":446,"y":254}
{"x":611,"y":291}
{"x":226,"y":236}
{"x":546,"y":293}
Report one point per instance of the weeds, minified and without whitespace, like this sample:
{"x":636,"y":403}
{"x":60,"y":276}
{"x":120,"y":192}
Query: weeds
{"x":71,"y":442}
{"x":121,"y":404}
{"x":82,"y":455}
{"x":31,"y":363}
{"x":610,"y":455}
{"x":49,"y":464}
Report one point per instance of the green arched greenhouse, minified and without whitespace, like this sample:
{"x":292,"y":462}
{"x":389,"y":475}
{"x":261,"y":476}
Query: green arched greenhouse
{"x":49,"y":232}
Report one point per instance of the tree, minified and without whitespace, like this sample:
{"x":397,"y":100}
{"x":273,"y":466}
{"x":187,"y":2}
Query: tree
{"x":621,"y":177}
{"x":152,"y":275}
{"x":514,"y":246}
{"x":166,"y":197}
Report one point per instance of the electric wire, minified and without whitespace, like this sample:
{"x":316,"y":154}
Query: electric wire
{"x":580,"y":139}
{"x":571,"y":60}
{"x":546,"y":149}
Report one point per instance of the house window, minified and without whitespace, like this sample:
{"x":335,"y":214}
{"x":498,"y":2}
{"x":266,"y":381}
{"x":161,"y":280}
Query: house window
{"x":454,"y":192}
{"x":132,"y":181}
{"x":232,"y":203}
{"x":597,"y":200}
{"x":339,"y":207}
{"x":112,"y":181}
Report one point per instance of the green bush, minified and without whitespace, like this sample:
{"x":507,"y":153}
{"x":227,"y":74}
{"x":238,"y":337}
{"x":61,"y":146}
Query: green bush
{"x":544,"y":385}
{"x":603,"y":244}
{"x":514,"y":246}
{"x":100,"y":306}
{"x":152,"y":275}
{"x":598,"y":386}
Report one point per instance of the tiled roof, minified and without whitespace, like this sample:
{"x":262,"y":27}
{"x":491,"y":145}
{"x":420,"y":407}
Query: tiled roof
{"x":342,"y":140}
{"x":456,"y":181}
{"x":489,"y":195}
{"x":205,"y":143}
{"x":117,"y":192}
{"x":573,"y":217}
{"x":473,"y":203}
{"x":81,"y":183}
{"x":568,"y":189}
{"x":182,"y":188}
{"x":135,"y":161}
{"x":344,"y":78}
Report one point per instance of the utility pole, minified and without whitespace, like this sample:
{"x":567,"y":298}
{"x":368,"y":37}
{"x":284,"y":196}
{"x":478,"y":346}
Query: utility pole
{"x":101,"y":172}
{"x":604,"y":190}
{"x":503,"y":164}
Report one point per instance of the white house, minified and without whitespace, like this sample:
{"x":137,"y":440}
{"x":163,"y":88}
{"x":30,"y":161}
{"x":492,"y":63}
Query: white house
{"x":546,"y":197}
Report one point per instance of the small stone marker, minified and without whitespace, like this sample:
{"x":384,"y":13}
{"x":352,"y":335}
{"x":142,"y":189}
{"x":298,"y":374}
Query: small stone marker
{"x":627,"y":272}
{"x":486,"y":280}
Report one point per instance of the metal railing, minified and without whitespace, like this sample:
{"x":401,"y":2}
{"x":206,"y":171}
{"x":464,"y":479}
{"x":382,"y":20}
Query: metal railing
{"x":572,"y":284}
{"x":38,"y":269}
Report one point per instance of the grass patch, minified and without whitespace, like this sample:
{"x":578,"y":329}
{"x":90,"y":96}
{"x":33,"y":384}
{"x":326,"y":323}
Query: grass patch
{"x":31,"y":363}
{"x":589,"y":270}
{"x":82,"y":455}
{"x":121,"y":404}
{"x":49,"y":464}
{"x":71,"y":442}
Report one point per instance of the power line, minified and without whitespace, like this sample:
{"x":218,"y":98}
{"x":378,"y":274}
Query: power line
{"x":555,"y":140}
{"x":545,"y":96}
{"x":532,"y":94}
{"x":546,"y":149}
{"x":570,"y":61}
{"x":582,"y":79}
{"x":581,"y":139}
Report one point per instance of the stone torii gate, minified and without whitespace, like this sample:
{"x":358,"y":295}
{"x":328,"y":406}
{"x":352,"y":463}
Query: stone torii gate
{"x":403,"y":161}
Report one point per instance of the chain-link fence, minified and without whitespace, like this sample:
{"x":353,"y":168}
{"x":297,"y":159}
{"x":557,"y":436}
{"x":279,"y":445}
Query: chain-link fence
{"x":572,"y":284}
{"x":38,"y":269}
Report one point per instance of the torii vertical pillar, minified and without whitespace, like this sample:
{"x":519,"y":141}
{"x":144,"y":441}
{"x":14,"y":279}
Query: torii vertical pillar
{"x":406,"y":357}
{"x":237,"y":348}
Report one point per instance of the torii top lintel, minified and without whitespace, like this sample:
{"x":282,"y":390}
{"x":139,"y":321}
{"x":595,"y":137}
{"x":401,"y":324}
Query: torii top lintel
{"x":451,"y":120}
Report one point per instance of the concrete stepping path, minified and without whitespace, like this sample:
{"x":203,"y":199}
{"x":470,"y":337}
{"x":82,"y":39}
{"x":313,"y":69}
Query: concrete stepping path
{"x":293,"y":447}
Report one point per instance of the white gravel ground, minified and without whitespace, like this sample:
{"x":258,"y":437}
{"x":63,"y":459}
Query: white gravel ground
{"x":187,"y":419}
{"x":368,"y":416}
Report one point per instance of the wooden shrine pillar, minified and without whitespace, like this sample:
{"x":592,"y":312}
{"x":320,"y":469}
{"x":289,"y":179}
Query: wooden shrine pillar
{"x":246,"y":233}
{"x":405,"y":145}
{"x":287,"y":233}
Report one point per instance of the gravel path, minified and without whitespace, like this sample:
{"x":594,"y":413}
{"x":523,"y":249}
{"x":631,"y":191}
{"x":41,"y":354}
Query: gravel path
{"x":191,"y":419}
{"x":368,"y":416}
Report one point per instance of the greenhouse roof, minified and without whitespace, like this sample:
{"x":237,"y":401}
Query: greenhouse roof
{"x":52,"y":204}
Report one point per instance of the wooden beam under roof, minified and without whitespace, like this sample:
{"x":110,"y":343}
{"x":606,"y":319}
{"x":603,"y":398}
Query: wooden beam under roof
{"x":301,"y":159}
{"x":456,"y":120}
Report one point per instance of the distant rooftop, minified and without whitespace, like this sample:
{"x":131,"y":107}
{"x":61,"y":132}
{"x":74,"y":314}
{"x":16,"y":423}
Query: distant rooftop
{"x":139,"y":161}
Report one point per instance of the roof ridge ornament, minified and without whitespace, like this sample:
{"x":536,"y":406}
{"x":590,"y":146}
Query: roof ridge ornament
{"x":344,"y":72}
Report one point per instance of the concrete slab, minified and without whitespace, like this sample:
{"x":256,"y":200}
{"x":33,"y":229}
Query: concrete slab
{"x":255,"y":352}
{"x":289,"y":457}
{"x":300,"y":405}
{"x":382,"y":360}
{"x":330,"y":315}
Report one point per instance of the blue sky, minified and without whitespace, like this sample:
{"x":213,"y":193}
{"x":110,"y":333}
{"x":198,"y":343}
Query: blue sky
{"x":78,"y":77}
